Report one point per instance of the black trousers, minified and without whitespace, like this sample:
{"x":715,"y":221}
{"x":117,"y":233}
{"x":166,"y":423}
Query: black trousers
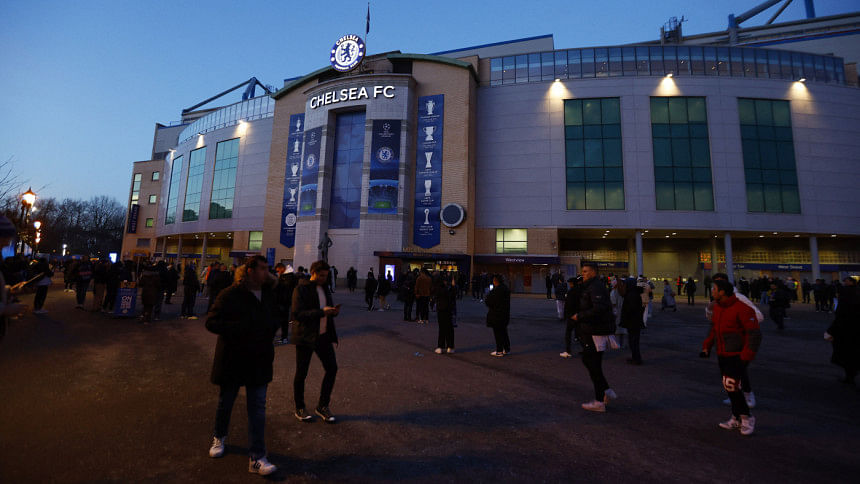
{"x":635,"y":334}
{"x":407,"y":309}
{"x":285,"y":326}
{"x":39,"y":299}
{"x":368,"y":299}
{"x":806,"y":297}
{"x":325,"y":351}
{"x":423,"y":308}
{"x":732,"y":369}
{"x":568,"y":333}
{"x":691,"y":298}
{"x":446,"y":330}
{"x":188,"y":300}
{"x":593,"y":361}
{"x":549,"y":293}
{"x":503,"y":341}
{"x":777,"y":314}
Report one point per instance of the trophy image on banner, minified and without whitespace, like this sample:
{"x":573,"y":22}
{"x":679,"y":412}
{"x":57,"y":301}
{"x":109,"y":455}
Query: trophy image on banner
{"x":426,"y":216}
{"x":428,"y":132}
{"x":428,"y":155}
{"x":296,"y":146}
{"x":430,"y":104}
{"x":295,"y":169}
{"x":292,"y":195}
{"x":298,"y":125}
{"x":427,"y":184}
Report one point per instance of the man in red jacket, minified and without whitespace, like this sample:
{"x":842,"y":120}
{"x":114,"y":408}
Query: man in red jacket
{"x":736,"y":334}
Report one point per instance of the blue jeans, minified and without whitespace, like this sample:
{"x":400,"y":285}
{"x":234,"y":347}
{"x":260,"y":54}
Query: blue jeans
{"x":256,"y":402}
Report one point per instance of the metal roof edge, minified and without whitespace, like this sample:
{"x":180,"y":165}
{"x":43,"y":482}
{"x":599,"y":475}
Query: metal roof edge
{"x":436,"y":58}
{"x":493,"y":44}
{"x":299,"y":81}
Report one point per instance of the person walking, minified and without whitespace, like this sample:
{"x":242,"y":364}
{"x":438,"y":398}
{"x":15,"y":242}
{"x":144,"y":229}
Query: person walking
{"x":779,"y":303}
{"x":844,"y":333}
{"x":707,"y":283}
{"x":498,"y":303}
{"x":287,"y":282}
{"x":351,"y":279}
{"x":244,"y":318}
{"x":313,"y":311}
{"x":40,"y":268}
{"x":407,"y":294}
{"x":219,"y":279}
{"x":594,"y":324}
{"x":737,"y":336}
{"x":805,"y":288}
{"x":190,"y":286}
{"x":548,"y":286}
{"x":423,"y":288}
{"x":382,"y":292}
{"x":171,"y":283}
{"x":668,"y":298}
{"x":370,"y":286}
{"x":150,"y":292}
{"x":571,"y":307}
{"x":631,"y":316}
{"x":690,"y":289}
{"x":560,"y":294}
{"x":445,"y":296}
{"x":82,"y":273}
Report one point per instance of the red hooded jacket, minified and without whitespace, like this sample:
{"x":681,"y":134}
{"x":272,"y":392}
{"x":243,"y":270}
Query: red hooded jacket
{"x":734,"y":329}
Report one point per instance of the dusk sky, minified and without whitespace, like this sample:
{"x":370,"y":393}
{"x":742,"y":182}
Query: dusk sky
{"x":85,"y":82}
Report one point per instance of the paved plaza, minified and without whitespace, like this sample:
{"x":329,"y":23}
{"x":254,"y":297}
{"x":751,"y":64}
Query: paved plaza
{"x":85,"y":397}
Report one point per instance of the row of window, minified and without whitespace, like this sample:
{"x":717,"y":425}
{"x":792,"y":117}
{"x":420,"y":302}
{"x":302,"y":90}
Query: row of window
{"x":681,"y":155}
{"x":223,"y":183}
{"x":661,"y":60}
{"x":255,"y":108}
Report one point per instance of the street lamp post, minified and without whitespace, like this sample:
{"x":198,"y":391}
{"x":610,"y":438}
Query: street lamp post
{"x":28,"y":198}
{"x":38,"y":226}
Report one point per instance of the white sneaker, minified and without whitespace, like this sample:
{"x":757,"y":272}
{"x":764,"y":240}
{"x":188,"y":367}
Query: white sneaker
{"x":438,"y":351}
{"x":731,"y":424}
{"x":261,"y":466}
{"x":750,"y":398}
{"x":609,"y":394}
{"x":594,"y":406}
{"x":217,"y":449}
{"x":565,"y":355}
{"x":497,"y":353}
{"x":747,"y":425}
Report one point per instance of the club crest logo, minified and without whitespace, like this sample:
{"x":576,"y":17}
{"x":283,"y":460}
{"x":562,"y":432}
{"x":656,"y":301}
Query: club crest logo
{"x":311,"y":161}
{"x":347,"y":53}
{"x":385,"y":154}
{"x":290,"y":220}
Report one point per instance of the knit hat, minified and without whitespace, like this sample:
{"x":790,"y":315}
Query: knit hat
{"x":7,"y":228}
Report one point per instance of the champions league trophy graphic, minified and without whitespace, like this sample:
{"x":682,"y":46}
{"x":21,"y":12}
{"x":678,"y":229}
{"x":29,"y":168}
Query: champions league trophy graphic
{"x":428,"y":155}
{"x":296,"y":146}
{"x":426,"y":216}
{"x":430,"y":104}
{"x":292,"y":195}
{"x":427,"y":184}
{"x":295,"y":169}
{"x":428,"y":132}
{"x":298,"y":125}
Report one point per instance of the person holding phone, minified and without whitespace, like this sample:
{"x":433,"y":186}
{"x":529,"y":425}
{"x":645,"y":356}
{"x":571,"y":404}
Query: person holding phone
{"x":313,"y":311}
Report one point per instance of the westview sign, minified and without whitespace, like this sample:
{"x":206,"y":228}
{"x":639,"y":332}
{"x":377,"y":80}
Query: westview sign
{"x":350,"y":94}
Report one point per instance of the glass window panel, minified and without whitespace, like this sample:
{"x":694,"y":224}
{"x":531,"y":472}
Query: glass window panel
{"x":611,"y":110}
{"x":573,"y":112}
{"x":677,"y":110}
{"x":509,"y":75}
{"x":700,"y":152}
{"x":522,"y":68}
{"x":840,"y":71}
{"x":770,"y":176}
{"x":612,"y":152}
{"x":746,"y":111}
{"x":711,"y":66}
{"x":723,"y":60}
{"x":767,"y":152}
{"x":593,"y":152}
{"x":752,"y":159}
{"x":773,"y":69}
{"x":785,"y":154}
{"x":830,"y":70}
{"x":752,"y":175}
{"x":698,"y":130}
{"x":660,"y":130}
{"x":656,"y":56}
{"x":809,"y":66}
{"x":575,"y":175}
{"x":797,"y":73}
{"x":679,"y":130}
{"x":790,"y":199}
{"x":611,"y":130}
{"x":702,"y":175}
{"x":574,"y":68}
{"x":761,"y":62}
{"x":576,"y":196}
{"x":575,"y":153}
{"x":614,"y":195}
{"x":643,"y":65}
{"x":138,"y":177}
{"x":781,"y":113}
{"x":749,"y":131}
{"x":601,"y":62}
{"x":772,"y":198}
{"x":194,"y":185}
{"x":591,"y":111}
{"x":660,"y":110}
{"x":662,"y":152}
{"x":682,"y":174}
{"x":785,"y":64}
{"x":703,"y":194}
{"x":594,"y":196}
{"x":683,"y":61}
{"x":628,"y":61}
{"x":173,"y":191}
{"x":613,"y":174}
{"x":346,"y":176}
{"x":684,"y":196}
{"x":547,"y":66}
{"x":573,"y":132}
{"x":763,"y":112}
{"x":766,"y":132}
{"x":749,"y":62}
{"x":663,"y":173}
{"x":787,"y":177}
{"x":696,"y":110}
{"x":615,"y":61}
{"x":670,"y":59}
{"x":697,"y":60}
{"x":755,"y":197}
{"x":665,"y":194}
{"x":593,"y":131}
{"x":681,"y":152}
{"x":594,"y":174}
{"x":587,"y":62}
{"x":561,"y":64}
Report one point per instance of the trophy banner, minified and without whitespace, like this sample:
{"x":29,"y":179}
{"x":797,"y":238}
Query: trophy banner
{"x":384,"y":166}
{"x":292,"y":180}
{"x":428,"y":171}
{"x":310,"y":172}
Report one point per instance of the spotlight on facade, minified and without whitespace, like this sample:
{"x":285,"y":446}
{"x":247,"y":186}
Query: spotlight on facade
{"x":833,"y":235}
{"x":557,"y":79}
{"x":802,"y":79}
{"x":669,"y":74}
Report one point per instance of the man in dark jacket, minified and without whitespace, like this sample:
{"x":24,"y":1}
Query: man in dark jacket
{"x":370,"y":286}
{"x":190,"y":285}
{"x":407,"y":294}
{"x":845,"y":331}
{"x":313,"y":311}
{"x":445,"y":296}
{"x":218,"y":280}
{"x":244,"y":318}
{"x":631,"y":316}
{"x":498,"y":303}
{"x":171,"y":282}
{"x":594,"y":324}
{"x":287,"y":282}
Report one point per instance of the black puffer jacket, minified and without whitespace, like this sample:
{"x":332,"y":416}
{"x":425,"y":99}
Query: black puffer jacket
{"x":498,"y":303}
{"x":307,"y":309}
{"x":246,"y":328}
{"x":595,"y":310}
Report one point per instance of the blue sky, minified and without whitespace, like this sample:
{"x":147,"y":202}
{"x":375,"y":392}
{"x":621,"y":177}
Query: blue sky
{"x":83,"y":83}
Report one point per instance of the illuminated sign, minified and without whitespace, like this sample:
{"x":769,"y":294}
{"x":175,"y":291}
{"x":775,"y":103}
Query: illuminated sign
{"x":350,"y":94}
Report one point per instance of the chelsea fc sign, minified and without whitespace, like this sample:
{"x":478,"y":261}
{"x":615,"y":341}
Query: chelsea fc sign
{"x":347,"y":53}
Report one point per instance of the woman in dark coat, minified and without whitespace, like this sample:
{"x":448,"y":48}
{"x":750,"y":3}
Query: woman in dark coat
{"x":631,"y":316}
{"x":845,"y":331}
{"x":150,"y":292}
{"x":244,"y":316}
{"x":370,"y":285}
{"x":445,"y":298}
{"x":498,"y":303}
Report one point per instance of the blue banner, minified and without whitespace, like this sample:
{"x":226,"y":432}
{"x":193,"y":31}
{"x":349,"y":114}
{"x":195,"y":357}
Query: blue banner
{"x":133,"y":215}
{"x":126,"y":299}
{"x":428,"y":171}
{"x":310,"y":172}
{"x":292,"y":180}
{"x":384,"y":166}
{"x":270,"y":256}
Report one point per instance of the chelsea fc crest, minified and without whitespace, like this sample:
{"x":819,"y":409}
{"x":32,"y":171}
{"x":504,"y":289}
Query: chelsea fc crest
{"x":347,"y":53}
{"x":384,"y":154}
{"x":311,"y":161}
